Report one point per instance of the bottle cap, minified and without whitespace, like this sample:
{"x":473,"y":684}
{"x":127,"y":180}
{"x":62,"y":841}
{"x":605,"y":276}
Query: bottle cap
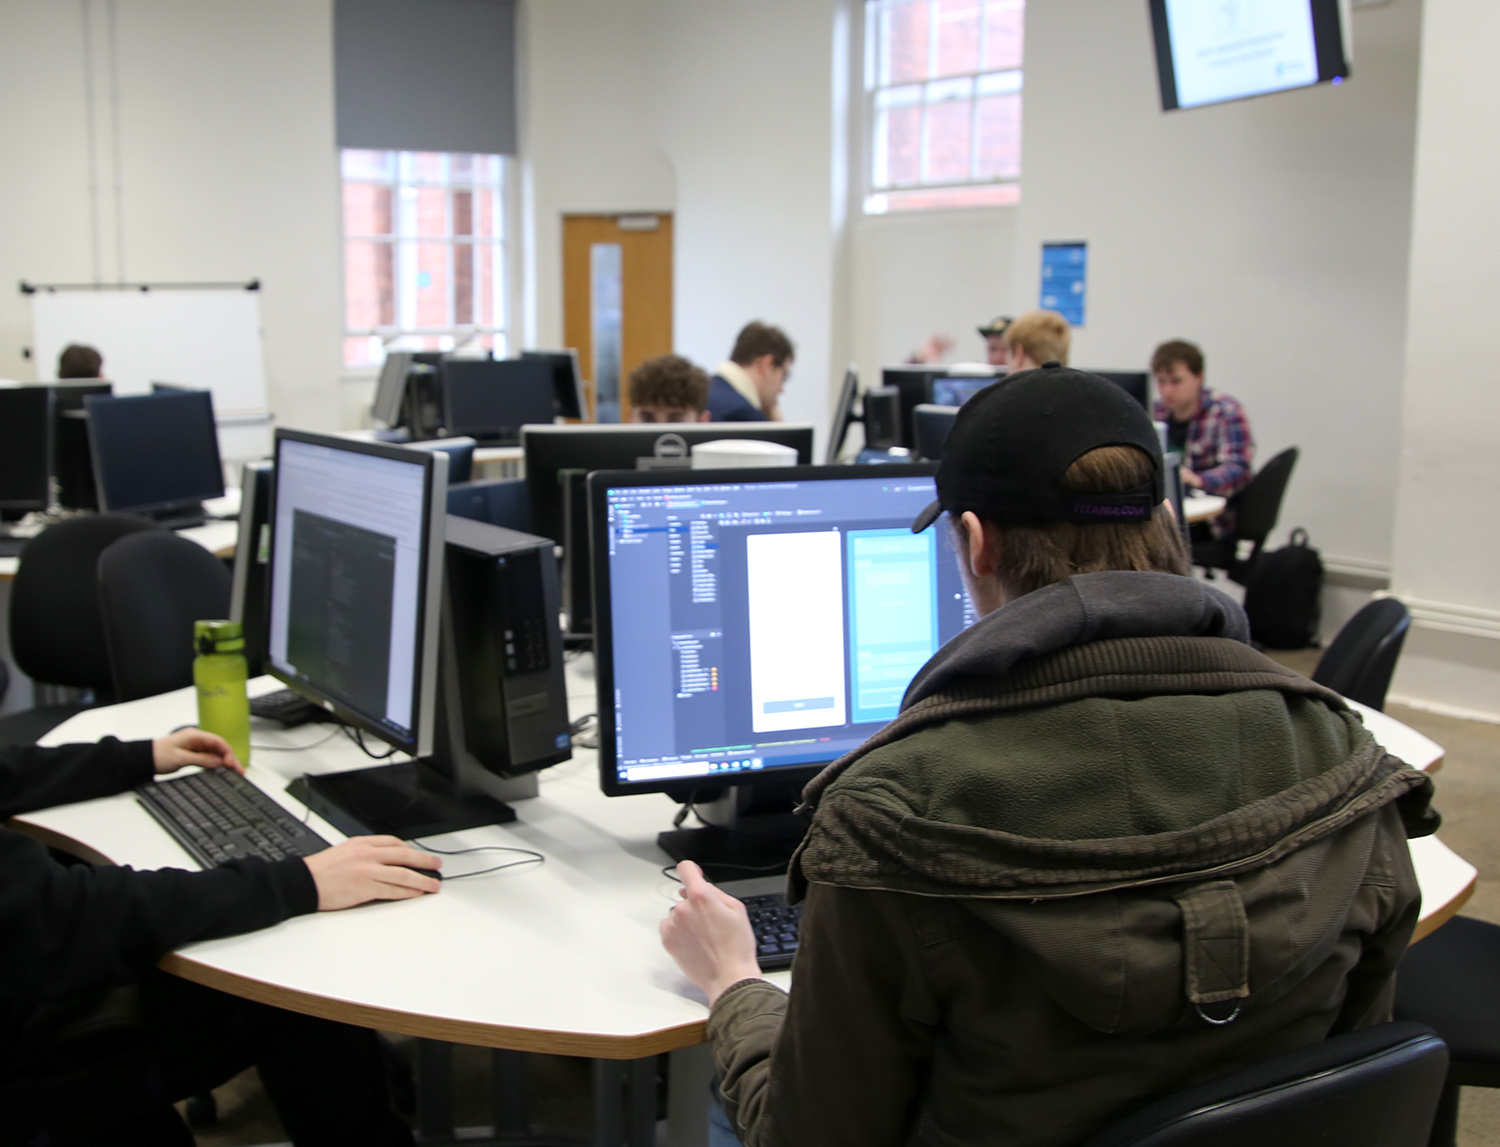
{"x":218,"y":637}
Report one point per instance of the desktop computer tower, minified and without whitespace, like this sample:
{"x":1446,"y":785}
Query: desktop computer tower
{"x":502,"y":702}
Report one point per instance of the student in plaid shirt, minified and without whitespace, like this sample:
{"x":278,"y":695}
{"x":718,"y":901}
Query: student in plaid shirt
{"x":1209,"y":429}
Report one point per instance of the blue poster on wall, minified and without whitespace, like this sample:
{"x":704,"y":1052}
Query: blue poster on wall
{"x":1064,"y":276}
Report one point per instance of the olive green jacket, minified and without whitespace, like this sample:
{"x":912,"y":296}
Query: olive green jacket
{"x":1047,"y":895}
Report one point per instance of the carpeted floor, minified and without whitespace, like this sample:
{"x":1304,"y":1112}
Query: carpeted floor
{"x":1468,"y":786}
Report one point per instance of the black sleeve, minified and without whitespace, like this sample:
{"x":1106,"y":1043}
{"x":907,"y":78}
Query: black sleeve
{"x":71,"y":928}
{"x":33,"y":778}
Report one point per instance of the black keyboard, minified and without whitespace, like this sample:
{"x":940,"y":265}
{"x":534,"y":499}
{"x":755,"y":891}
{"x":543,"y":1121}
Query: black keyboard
{"x":291,"y":709}
{"x":218,"y":815}
{"x":775,"y":923}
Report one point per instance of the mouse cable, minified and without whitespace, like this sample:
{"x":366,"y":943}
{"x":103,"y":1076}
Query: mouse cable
{"x":297,"y":748}
{"x":530,"y":856}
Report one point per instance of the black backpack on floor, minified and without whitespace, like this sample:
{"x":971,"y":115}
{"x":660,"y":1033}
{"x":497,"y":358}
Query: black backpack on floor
{"x":1283,"y":595}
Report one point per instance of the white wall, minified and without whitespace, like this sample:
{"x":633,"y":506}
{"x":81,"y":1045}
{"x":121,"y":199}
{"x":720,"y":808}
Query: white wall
{"x":1447,"y":550}
{"x":926,"y":273}
{"x":1270,"y":231}
{"x":227,"y":168}
{"x":720,"y":112}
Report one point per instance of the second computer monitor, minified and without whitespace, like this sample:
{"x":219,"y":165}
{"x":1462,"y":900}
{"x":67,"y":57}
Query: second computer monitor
{"x":356,"y":581}
{"x":155,"y":454}
{"x":25,"y":449}
{"x":567,"y":382}
{"x":554,"y":451}
{"x":491,"y":399}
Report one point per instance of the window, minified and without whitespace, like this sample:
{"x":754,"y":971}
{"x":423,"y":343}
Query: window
{"x":424,"y":253}
{"x":943,"y":101}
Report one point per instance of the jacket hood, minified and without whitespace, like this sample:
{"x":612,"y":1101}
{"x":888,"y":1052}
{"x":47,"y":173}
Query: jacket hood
{"x":1090,"y":607}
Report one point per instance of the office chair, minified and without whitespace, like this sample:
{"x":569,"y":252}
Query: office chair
{"x":1451,"y":981}
{"x":152,"y":587}
{"x":1376,"y":1087}
{"x":1255,"y":510}
{"x":1362,"y":658}
{"x":56,"y":633}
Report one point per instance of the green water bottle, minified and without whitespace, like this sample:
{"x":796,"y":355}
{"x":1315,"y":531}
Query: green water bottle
{"x":219,"y":673}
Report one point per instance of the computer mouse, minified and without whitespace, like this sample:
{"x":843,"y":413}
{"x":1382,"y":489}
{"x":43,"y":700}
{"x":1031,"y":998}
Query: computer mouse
{"x":436,"y":874}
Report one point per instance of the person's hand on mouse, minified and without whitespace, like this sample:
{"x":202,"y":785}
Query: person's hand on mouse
{"x":186,"y":747}
{"x":365,"y":868}
{"x":708,"y":933}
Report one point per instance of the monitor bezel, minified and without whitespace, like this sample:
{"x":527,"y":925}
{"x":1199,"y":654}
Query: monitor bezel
{"x":48,"y":404}
{"x":419,"y":742}
{"x":97,"y":402}
{"x":390,"y":389}
{"x":599,"y":482}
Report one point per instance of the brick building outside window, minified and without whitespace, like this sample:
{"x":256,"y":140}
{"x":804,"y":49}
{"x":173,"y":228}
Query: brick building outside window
{"x":943,"y":103}
{"x":424,"y":253}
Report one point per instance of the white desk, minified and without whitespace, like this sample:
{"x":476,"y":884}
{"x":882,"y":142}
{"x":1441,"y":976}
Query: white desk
{"x":562,"y":957}
{"x":1202,"y":507}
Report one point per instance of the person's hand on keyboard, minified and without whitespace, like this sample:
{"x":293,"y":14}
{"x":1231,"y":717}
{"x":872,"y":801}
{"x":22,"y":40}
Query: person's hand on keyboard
{"x":365,"y":868}
{"x":708,"y":934}
{"x":193,"y":747}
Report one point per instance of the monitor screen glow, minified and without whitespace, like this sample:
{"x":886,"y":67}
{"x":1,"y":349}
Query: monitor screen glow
{"x":1235,"y":49}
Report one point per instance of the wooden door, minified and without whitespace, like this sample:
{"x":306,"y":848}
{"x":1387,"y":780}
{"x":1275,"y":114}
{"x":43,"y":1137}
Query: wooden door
{"x":617,"y":301}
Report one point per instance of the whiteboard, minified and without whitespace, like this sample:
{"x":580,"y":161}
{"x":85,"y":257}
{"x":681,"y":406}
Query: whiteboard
{"x":206,"y":339}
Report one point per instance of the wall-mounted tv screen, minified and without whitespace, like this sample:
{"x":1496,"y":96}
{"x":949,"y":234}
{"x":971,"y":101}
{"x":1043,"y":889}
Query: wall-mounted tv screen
{"x":1211,"y":51}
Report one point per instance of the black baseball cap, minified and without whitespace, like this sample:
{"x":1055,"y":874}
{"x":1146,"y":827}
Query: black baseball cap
{"x":996,"y":326}
{"x":1013,"y":441}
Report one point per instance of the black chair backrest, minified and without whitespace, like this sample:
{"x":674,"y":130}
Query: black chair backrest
{"x":1362,"y":658}
{"x":1258,"y":505}
{"x":152,"y":587}
{"x":1377,"y":1087}
{"x":56,"y":633}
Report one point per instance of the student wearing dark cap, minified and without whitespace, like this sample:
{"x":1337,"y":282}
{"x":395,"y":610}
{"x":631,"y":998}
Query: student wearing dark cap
{"x":1105,"y":851}
{"x":996,"y":352}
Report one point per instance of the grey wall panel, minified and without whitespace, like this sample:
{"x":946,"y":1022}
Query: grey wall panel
{"x":426,"y":75}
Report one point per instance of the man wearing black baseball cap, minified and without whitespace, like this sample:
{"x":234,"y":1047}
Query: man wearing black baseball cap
{"x":1105,"y":851}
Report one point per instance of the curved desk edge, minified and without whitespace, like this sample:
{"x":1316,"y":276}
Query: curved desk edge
{"x":440,"y":1028}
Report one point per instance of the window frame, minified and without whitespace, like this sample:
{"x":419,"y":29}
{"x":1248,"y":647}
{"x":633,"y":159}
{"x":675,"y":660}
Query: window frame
{"x":871,"y":89}
{"x":403,"y":239}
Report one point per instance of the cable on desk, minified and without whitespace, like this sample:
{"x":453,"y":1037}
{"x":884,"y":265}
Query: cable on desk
{"x":296,"y":748}
{"x":358,"y":737}
{"x":580,"y":734}
{"x":530,"y":856}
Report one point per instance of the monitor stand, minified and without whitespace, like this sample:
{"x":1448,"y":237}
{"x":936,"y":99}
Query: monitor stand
{"x":751,"y":831}
{"x":405,"y":800}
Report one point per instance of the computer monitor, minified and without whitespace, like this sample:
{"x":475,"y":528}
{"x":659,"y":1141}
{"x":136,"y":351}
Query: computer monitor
{"x":356,"y":581}
{"x":931,"y":425}
{"x":156,"y":454}
{"x":437,"y":637}
{"x":751,"y":626}
{"x":551,"y":450}
{"x":1135,"y":383}
{"x":73,"y":465}
{"x":491,"y":399}
{"x":558,"y":458}
{"x":460,"y":453}
{"x":390,"y":390}
{"x":252,"y":555}
{"x":25,"y":450}
{"x":567,"y":382}
{"x":843,"y":414}
{"x":957,"y":389}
